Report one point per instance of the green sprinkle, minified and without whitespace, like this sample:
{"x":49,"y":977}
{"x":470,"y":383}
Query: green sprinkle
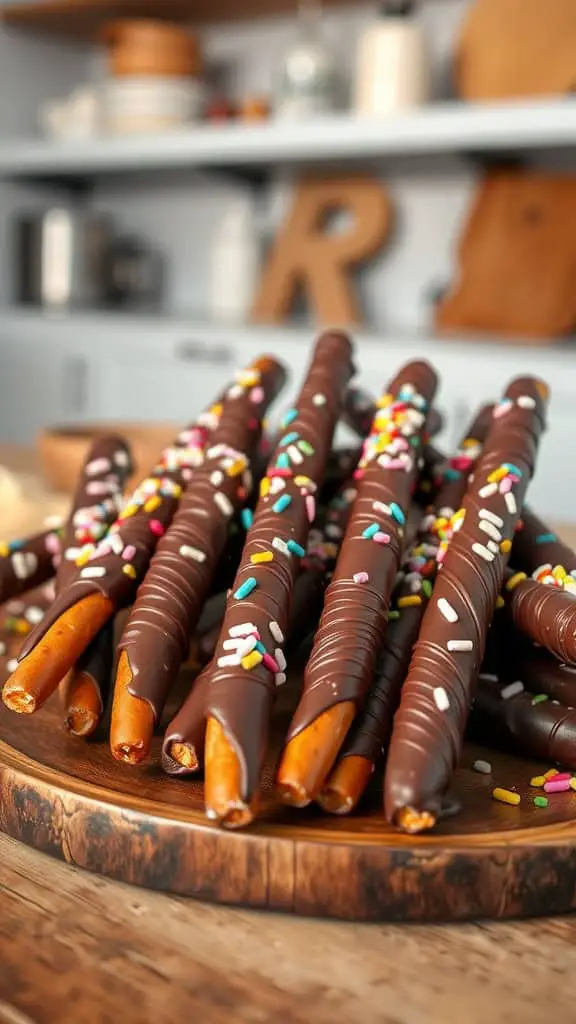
{"x":393,"y":615}
{"x":539,"y":699}
{"x":540,"y":801}
{"x":427,"y":588}
{"x":306,"y":447}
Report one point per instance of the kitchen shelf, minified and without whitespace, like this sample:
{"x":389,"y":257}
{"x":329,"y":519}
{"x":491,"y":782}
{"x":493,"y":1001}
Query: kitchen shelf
{"x":82,"y":19}
{"x":453,"y":127}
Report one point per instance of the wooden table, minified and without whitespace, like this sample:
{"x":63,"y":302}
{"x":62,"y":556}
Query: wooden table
{"x":77,"y":948}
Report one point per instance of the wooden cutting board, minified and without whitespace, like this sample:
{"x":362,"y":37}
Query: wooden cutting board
{"x":517,"y":258}
{"x":511,"y":48}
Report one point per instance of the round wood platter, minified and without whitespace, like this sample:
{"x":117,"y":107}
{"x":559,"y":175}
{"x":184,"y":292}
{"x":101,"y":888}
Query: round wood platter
{"x":69,"y":799}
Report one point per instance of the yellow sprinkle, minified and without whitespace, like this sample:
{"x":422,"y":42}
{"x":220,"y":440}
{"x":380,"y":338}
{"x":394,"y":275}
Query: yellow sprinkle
{"x":572,"y":783}
{"x":441,"y":522}
{"x":538,"y":781}
{"x":236,"y":468}
{"x":384,"y":401}
{"x":514,"y":580}
{"x":497,"y":475}
{"x":130,"y":510}
{"x":216,"y":409}
{"x":248,"y":378}
{"x":550,"y":773}
{"x":264,"y":487}
{"x":251,"y":660}
{"x":500,"y":602}
{"x":409,"y":601}
{"x":559,"y":572}
{"x":176,"y":491}
{"x":302,"y":481}
{"x":261,"y":556}
{"x":506,"y":796}
{"x":152,"y":503}
{"x":505,"y":546}
{"x":469,"y":442}
{"x":84,"y":557}
{"x":4,"y":550}
{"x":129,"y":570}
{"x":21,"y":626}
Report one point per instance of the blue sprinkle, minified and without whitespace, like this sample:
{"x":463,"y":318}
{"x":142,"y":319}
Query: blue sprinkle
{"x":295,"y":548}
{"x":283,"y":502}
{"x":546,"y":538}
{"x":512,"y":468}
{"x":247,"y":517}
{"x":260,"y":647}
{"x":289,"y":438}
{"x":289,"y":417}
{"x":15,"y":545}
{"x":283,"y":461}
{"x":247,"y":587}
{"x":371,"y":530}
{"x":397,"y":513}
{"x":452,"y":474}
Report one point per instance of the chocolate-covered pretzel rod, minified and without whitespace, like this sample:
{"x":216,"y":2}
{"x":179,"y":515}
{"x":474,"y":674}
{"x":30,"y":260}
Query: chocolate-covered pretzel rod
{"x":156,"y":637}
{"x":26,"y":564}
{"x":436,"y":696}
{"x":323,"y":546}
{"x":109,"y":579}
{"x":370,"y":732}
{"x":250,"y":661}
{"x":95,"y":506}
{"x":505,"y":713}
{"x":351,"y":631}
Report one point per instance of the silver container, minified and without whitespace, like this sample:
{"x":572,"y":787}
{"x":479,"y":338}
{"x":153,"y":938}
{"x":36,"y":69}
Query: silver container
{"x":60,"y":258}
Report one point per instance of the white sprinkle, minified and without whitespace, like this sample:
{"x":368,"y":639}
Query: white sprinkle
{"x":511,"y":503}
{"x":244,"y":629}
{"x":446,"y":511}
{"x":235,"y":391}
{"x":502,"y":408}
{"x":275,"y":632}
{"x":512,"y":690}
{"x":332,"y":530}
{"x":71,"y":554}
{"x":294,"y":454}
{"x":216,"y":451}
{"x":488,"y":490}
{"x":280,"y":678}
{"x":526,"y":402}
{"x":460,"y":645}
{"x":280,"y":658}
{"x":24,"y":564}
{"x":446,"y":609}
{"x":98,"y":466}
{"x":488,"y":677}
{"x":121,"y":459}
{"x":15,"y":607}
{"x":223,"y":503}
{"x":484,"y":553}
{"x":245,"y":646}
{"x":350,"y":496}
{"x":12,"y":665}
{"x":216,"y":478}
{"x":194,"y":553}
{"x":491,"y":530}
{"x":484,"y":767}
{"x":92,"y":572}
{"x":486,"y":513}
{"x":53,"y":522}
{"x":231,"y":645}
{"x":319,"y":399}
{"x":2,"y":649}
{"x":277,"y":484}
{"x":494,"y":548}
{"x":34,"y":614}
{"x":99,"y":487}
{"x":379,"y":506}
{"x":281,"y":545}
{"x":228,"y":659}
{"x":441,"y":698}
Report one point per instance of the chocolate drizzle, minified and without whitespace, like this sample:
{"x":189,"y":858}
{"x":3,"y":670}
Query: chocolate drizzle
{"x":372,"y":727}
{"x":353,"y":622}
{"x":249,"y":658}
{"x":436,"y":697}
{"x":157,"y":634}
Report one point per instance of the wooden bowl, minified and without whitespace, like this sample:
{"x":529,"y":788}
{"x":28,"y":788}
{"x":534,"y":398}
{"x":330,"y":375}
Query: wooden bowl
{"x":139,"y":46}
{"x":63,"y":450}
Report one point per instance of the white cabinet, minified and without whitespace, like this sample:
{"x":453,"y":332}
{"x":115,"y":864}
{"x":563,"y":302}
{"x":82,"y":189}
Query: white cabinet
{"x":40,"y":387}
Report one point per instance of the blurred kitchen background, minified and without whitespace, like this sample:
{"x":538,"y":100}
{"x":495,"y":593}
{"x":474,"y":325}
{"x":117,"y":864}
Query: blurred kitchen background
{"x":155,"y":156}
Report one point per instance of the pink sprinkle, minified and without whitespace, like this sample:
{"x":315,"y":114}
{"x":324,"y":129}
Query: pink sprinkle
{"x":187,"y":473}
{"x":155,"y":527}
{"x":505,"y":485}
{"x":562,"y":776}
{"x":358,"y":474}
{"x":52,"y":544}
{"x":276,"y":471}
{"x":129,"y":552}
{"x":269,"y":662}
{"x":461,"y":462}
{"x":310,"y":508}
{"x":360,"y":577}
{"x":257,"y":395}
{"x":553,"y":786}
{"x":381,"y":538}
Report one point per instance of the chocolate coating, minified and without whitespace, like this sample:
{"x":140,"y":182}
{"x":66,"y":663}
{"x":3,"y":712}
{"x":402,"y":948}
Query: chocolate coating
{"x":136,"y":531}
{"x":353,"y":623}
{"x":547,"y":616}
{"x":188,"y":726}
{"x":370,"y":732}
{"x":536,"y":544}
{"x":157,"y":634}
{"x":436,"y":697}
{"x":26,"y":564}
{"x":241,"y":698}
{"x":542,"y":673}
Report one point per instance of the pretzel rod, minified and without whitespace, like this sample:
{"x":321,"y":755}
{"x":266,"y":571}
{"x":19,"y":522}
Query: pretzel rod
{"x":112,"y":573}
{"x":370,"y":734}
{"x":88,"y":684}
{"x":437,"y":693}
{"x":322,"y":551}
{"x":156,"y":637}
{"x":250,"y":660}
{"x":538,"y":727}
{"x":351,"y":631}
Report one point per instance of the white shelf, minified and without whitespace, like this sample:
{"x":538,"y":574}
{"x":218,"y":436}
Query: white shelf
{"x":440,"y":128}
